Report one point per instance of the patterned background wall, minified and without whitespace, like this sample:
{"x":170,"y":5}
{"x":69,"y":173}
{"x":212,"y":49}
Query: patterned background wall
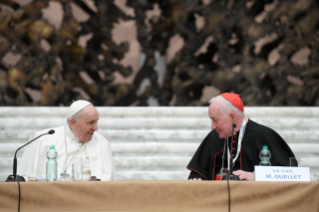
{"x":158,"y":52}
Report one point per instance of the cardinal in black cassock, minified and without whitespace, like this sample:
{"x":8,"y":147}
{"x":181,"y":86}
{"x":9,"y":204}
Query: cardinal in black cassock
{"x":249,"y":137}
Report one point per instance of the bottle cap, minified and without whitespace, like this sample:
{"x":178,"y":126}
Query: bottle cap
{"x":52,"y":147}
{"x":265,"y":147}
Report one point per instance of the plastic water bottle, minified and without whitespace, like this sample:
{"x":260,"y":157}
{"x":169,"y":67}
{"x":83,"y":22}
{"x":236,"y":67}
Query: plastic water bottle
{"x":265,"y":156}
{"x":52,"y":164}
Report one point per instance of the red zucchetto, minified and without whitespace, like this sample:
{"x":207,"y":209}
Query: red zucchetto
{"x":235,"y":100}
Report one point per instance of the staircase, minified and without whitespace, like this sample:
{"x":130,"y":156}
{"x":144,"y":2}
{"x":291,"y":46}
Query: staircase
{"x":156,"y":143}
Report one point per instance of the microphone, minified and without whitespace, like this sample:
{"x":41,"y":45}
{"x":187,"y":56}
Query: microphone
{"x":16,"y":177}
{"x":230,"y":175}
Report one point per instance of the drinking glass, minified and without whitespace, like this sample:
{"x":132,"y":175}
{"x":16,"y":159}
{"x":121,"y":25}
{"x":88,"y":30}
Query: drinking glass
{"x":77,"y":168}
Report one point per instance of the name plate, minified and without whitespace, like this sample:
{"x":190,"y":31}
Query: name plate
{"x":282,"y":173}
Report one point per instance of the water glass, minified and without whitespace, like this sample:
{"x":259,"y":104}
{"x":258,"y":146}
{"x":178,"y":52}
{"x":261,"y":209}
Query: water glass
{"x":77,"y":168}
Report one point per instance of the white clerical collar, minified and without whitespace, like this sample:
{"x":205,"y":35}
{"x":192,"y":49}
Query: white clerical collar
{"x":70,"y":134}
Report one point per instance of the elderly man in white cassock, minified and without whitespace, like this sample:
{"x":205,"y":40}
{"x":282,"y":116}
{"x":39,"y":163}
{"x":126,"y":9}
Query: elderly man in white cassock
{"x":77,"y":138}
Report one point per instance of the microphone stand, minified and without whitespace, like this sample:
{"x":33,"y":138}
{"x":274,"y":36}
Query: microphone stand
{"x":16,"y":177}
{"x":230,"y":175}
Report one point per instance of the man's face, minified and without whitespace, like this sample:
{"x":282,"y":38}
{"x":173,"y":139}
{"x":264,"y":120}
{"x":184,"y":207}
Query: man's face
{"x":221,"y":123}
{"x":87,"y":125}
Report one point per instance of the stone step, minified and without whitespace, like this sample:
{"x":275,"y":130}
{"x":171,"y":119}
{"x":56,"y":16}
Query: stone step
{"x":134,"y":162}
{"x":156,"y":143}
{"x":154,"y":162}
{"x":291,"y":136}
{"x":160,"y":111}
{"x":159,"y":163}
{"x":110,"y":123}
{"x":37,"y":123}
{"x":135,"y":175}
{"x":164,"y":148}
{"x":153,"y":175}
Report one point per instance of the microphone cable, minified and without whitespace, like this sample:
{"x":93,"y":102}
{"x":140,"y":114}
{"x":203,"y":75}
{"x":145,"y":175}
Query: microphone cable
{"x":19,"y":196}
{"x":228,"y":195}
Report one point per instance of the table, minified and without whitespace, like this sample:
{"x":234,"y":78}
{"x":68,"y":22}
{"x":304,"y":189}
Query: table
{"x":159,"y":196}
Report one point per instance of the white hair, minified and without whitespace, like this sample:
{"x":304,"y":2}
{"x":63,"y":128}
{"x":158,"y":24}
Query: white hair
{"x":75,"y":116}
{"x":226,"y":107}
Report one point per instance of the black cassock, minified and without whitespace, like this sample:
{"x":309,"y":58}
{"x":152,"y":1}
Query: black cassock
{"x":207,"y":160}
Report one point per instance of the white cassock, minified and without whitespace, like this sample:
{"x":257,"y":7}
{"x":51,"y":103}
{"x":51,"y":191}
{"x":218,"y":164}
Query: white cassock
{"x":97,"y":154}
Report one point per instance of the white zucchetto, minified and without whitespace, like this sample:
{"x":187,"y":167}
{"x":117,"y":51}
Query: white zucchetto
{"x":76,"y":106}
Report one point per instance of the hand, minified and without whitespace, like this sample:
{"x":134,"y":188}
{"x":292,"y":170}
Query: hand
{"x":249,"y":176}
{"x":196,"y":179}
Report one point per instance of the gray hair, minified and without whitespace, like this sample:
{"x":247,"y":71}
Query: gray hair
{"x":75,"y":116}
{"x":226,"y":107}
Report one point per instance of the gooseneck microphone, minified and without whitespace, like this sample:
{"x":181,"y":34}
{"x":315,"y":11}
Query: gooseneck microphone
{"x":230,"y":175}
{"x":16,"y":177}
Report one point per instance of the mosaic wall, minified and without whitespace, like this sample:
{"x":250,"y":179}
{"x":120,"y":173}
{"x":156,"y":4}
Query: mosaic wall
{"x":265,"y":50}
